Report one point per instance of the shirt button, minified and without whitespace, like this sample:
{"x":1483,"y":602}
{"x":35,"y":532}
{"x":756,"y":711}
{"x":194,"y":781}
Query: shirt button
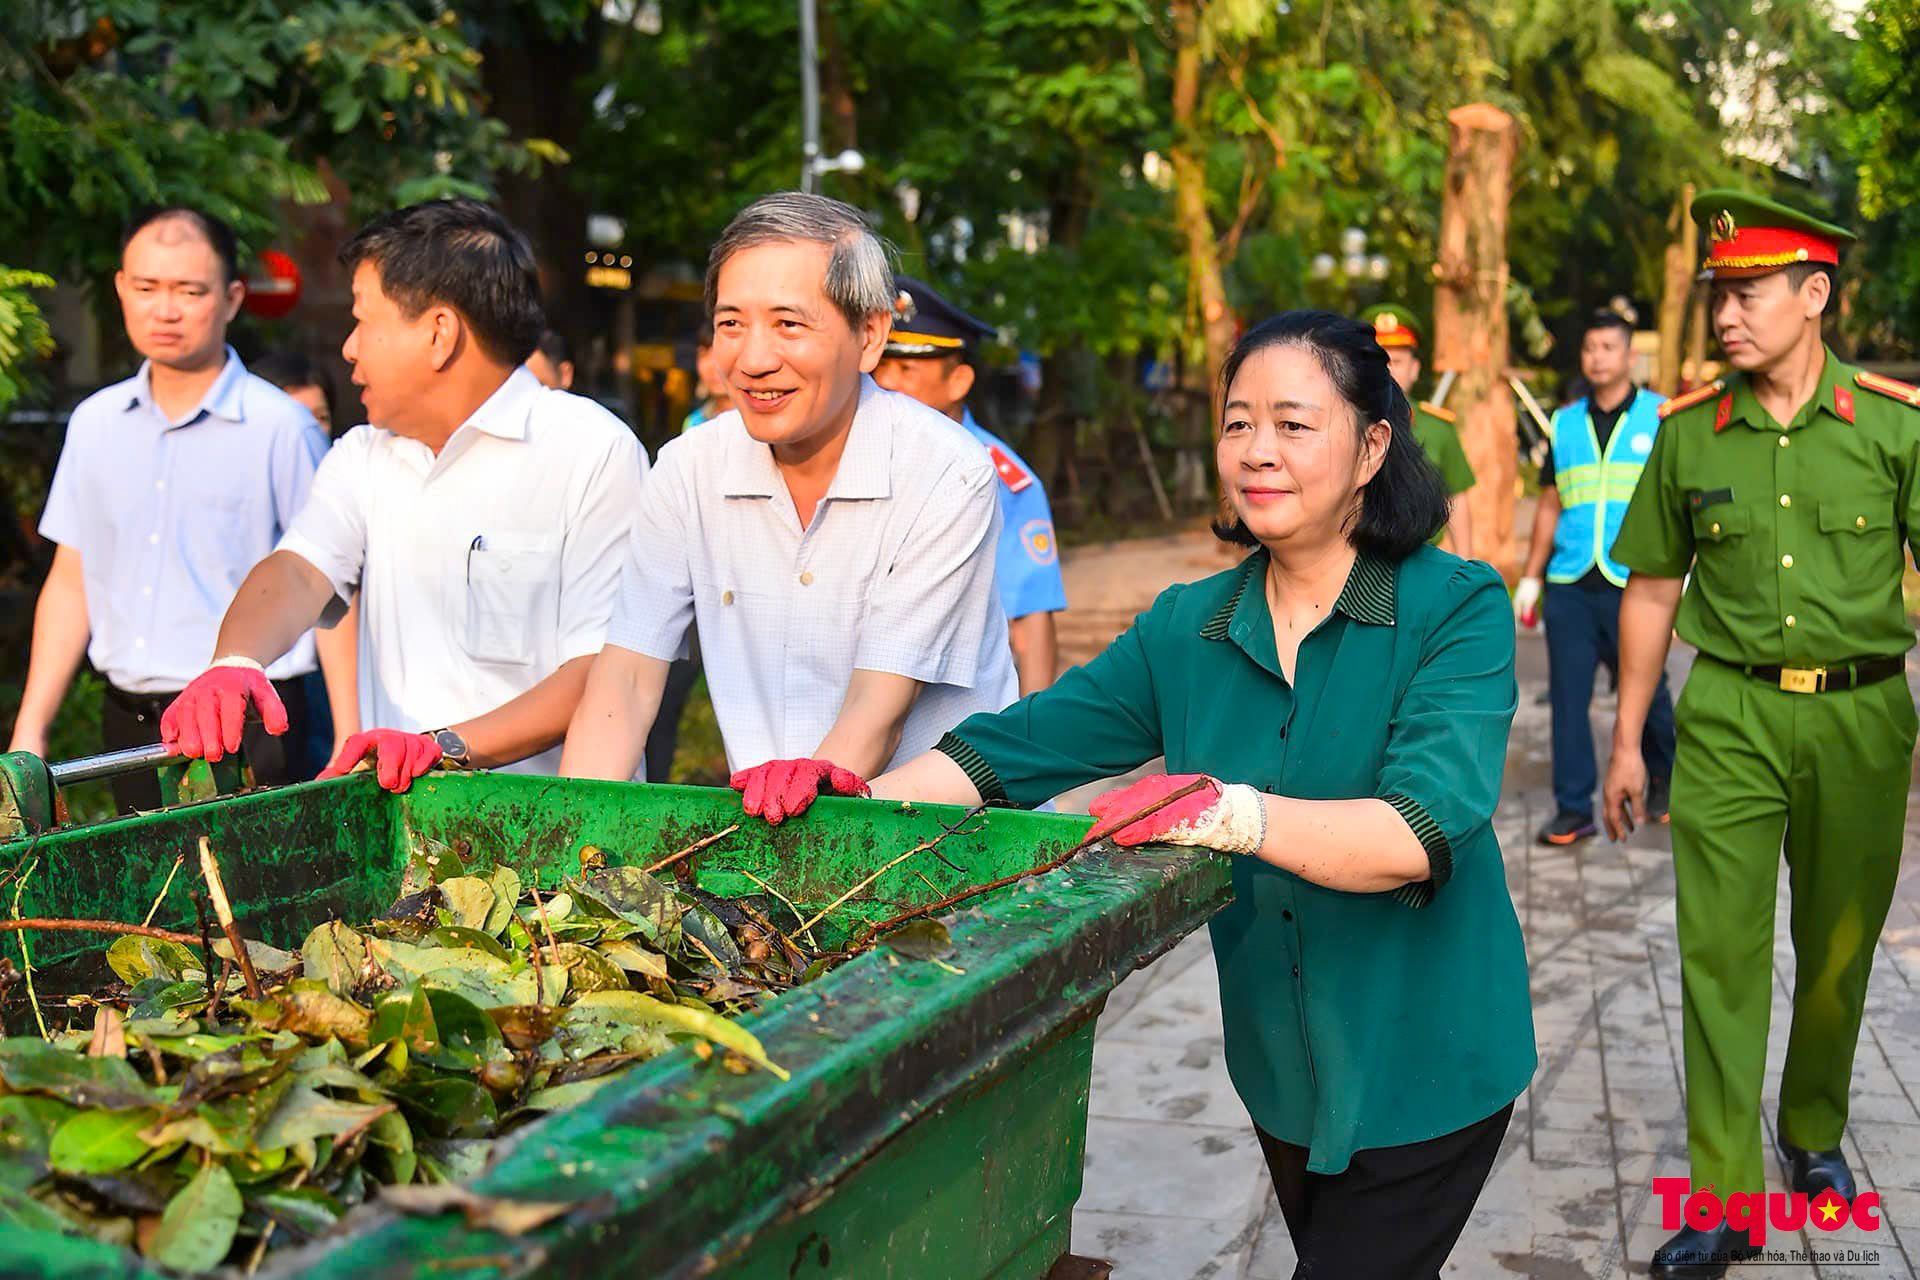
{"x":1859,"y":522}
{"x":1786,"y":562}
{"x":140,"y":642}
{"x":1716,"y":527}
{"x":726,"y":597}
{"x":159,"y":484}
{"x":1791,"y":619}
{"x":146,"y":591}
{"x":806,"y":578}
{"x":1296,"y":971}
{"x":1783,"y":442}
{"x":1786,"y":499}
{"x":153,"y":537}
{"x":1286,"y":915}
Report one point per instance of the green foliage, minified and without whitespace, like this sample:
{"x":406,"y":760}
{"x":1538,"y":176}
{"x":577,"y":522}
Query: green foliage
{"x":106,"y":105}
{"x":24,"y":337}
{"x":1882,"y":134}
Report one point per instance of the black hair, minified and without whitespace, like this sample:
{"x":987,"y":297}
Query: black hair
{"x":287,"y":369}
{"x":1603,"y":318}
{"x":554,"y":347}
{"x":1405,"y":503}
{"x":1798,"y":273}
{"x":216,"y":233}
{"x":463,"y":254}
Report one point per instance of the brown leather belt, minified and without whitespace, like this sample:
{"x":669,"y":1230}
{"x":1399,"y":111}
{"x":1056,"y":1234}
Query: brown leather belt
{"x":1836,"y":678}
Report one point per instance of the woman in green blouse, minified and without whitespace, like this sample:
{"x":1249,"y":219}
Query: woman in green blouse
{"x":1345,"y":695}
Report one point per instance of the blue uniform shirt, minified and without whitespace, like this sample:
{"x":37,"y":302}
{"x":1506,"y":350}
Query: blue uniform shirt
{"x":168,"y":517}
{"x":1027,"y":566}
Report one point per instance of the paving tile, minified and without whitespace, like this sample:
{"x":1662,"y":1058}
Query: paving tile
{"x":1170,"y":1170}
{"x":1142,"y":1247}
{"x":1141,"y":1080}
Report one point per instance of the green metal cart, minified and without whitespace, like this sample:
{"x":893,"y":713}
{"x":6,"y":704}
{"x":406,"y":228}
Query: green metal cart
{"x":935,"y":1121}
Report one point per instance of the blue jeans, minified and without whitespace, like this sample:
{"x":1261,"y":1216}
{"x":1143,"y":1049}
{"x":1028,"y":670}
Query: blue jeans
{"x":1583,"y":633}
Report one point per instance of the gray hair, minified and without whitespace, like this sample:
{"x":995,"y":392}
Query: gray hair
{"x":859,"y":271}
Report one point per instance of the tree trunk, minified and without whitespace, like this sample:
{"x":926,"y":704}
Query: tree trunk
{"x":1206,"y":290}
{"x":1470,"y":316}
{"x":1693,"y":372}
{"x":1682,"y":263}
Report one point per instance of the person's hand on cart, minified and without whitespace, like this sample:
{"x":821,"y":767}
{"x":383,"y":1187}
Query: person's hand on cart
{"x":396,"y":756}
{"x":206,"y":721}
{"x":782,"y":789}
{"x":1227,"y":817}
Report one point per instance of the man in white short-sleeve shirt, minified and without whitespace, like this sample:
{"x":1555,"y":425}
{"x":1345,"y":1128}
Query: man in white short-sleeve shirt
{"x":482,"y":517}
{"x":833,"y":541}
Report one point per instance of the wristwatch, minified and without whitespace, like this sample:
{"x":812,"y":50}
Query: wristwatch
{"x":453,"y":748}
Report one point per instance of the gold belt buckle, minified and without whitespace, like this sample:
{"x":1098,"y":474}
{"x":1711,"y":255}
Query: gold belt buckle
{"x":1803,"y":679}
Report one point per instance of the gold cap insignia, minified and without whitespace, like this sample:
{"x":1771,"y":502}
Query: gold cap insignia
{"x":1385,"y":323}
{"x":903,"y":308}
{"x":1724,"y":227}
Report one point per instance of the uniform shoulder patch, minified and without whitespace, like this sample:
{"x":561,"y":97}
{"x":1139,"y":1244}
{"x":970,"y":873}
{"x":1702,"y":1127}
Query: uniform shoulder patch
{"x":1699,"y":395}
{"x":1445,"y":415}
{"x":1892,"y":388}
{"x":1011,"y":473}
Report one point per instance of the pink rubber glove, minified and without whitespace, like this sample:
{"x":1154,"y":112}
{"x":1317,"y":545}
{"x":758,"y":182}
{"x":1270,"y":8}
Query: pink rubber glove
{"x":206,"y":720}
{"x":401,"y":757}
{"x":1229,"y":817}
{"x":782,"y":789}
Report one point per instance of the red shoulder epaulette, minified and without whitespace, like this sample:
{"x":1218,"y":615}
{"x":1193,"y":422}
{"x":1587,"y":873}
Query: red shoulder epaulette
{"x":1691,"y":398}
{"x":1445,"y":415}
{"x":1010,"y":472}
{"x":1892,"y":388}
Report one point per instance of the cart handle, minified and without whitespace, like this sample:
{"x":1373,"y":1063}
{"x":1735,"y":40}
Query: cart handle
{"x":110,"y":764}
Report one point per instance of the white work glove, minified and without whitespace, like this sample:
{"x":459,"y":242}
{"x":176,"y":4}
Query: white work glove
{"x":1526,"y":601}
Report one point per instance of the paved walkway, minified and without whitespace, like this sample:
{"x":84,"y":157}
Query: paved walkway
{"x":1176,"y":1190}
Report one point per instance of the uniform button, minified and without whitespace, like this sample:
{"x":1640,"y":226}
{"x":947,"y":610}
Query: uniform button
{"x":1716,"y":526}
{"x":153,"y":537}
{"x":1859,"y":522}
{"x":140,"y":642}
{"x":146,"y":591}
{"x":1783,"y":442}
{"x":159,"y":484}
{"x":1286,"y":915}
{"x":726,"y":597}
{"x":1786,"y":562}
{"x":1296,"y":971}
{"x":1791,"y":619}
{"x":806,"y":578}
{"x":1786,"y":499}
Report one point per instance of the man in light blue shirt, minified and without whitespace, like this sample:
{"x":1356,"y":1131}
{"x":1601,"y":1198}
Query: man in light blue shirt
{"x":926,"y":357}
{"x":170,"y":486}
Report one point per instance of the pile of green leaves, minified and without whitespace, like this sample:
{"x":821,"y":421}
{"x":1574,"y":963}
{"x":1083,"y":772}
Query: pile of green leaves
{"x":197,"y":1126}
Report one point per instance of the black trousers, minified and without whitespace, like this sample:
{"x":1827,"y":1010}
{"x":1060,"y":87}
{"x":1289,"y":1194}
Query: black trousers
{"x":1396,"y":1211}
{"x":664,"y":738}
{"x":133,"y":720}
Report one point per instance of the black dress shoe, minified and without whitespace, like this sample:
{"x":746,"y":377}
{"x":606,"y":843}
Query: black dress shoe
{"x":1815,"y":1171}
{"x":1701,"y":1255}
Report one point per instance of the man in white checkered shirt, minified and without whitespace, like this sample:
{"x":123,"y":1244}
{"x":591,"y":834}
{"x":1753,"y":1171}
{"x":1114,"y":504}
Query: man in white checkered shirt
{"x":834,"y":542}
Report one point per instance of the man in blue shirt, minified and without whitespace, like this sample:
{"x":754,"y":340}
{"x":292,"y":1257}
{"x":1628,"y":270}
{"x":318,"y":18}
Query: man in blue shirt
{"x":927,"y":357}
{"x":1600,"y":444}
{"x":170,"y":486}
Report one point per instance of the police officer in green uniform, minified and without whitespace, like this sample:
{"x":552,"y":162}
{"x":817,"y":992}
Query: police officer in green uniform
{"x":1788,"y":489}
{"x":1398,"y":334}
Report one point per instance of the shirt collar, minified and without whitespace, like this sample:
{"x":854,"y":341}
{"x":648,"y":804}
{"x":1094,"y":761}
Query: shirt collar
{"x":508,"y":410}
{"x":1746,"y":406}
{"x":866,"y":464}
{"x":224,"y":399}
{"x":1369,"y":595}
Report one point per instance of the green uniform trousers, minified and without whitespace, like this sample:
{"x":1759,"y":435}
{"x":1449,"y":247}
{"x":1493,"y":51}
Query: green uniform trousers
{"x":1826,"y":775}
